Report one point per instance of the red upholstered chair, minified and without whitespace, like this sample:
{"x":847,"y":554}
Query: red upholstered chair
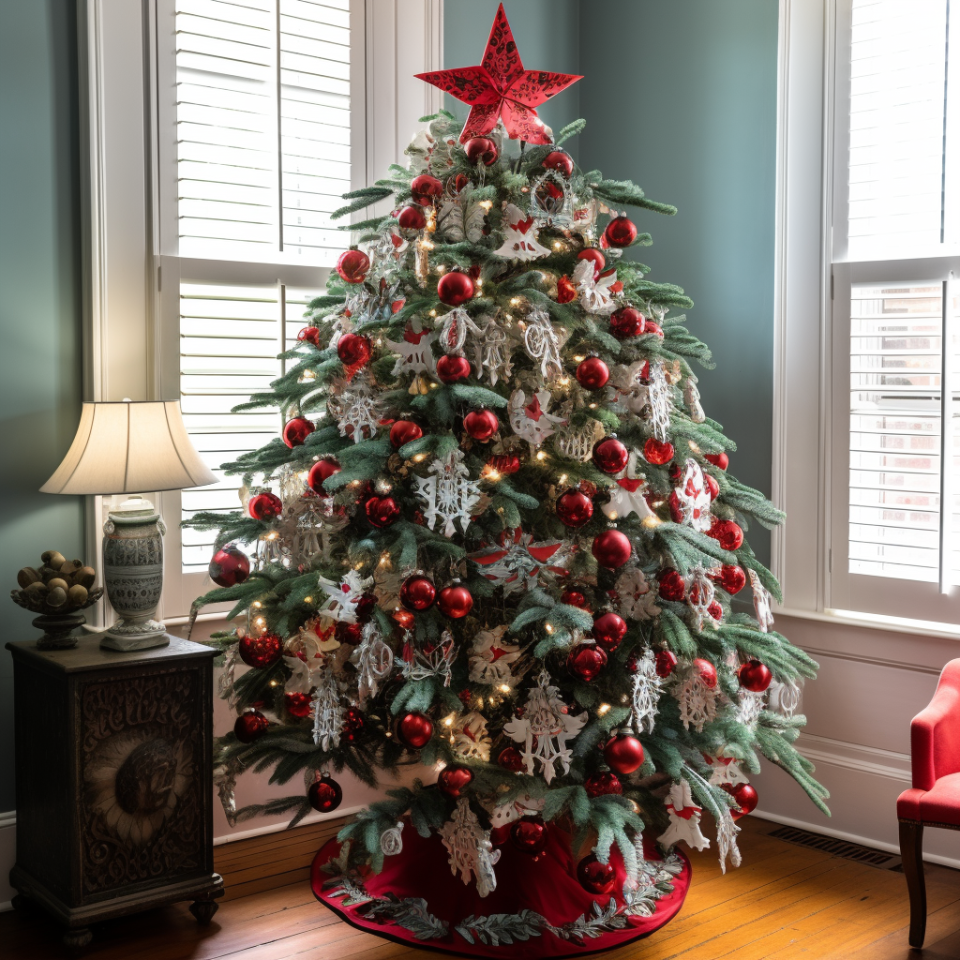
{"x":934,"y":800}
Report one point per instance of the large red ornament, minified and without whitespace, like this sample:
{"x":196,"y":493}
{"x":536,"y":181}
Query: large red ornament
{"x":599,"y":260}
{"x":265,"y":506}
{"x":455,"y":288}
{"x":745,"y":796}
{"x":585,"y":661}
{"x":720,"y":460}
{"x":411,"y":218}
{"x":574,"y":508}
{"x":320,"y":471}
{"x":727,"y":533}
{"x":499,"y":88}
{"x":560,"y":161}
{"x":250,"y":726}
{"x":481,"y":424}
{"x":666,"y":662}
{"x":627,"y":322}
{"x":453,"y":780}
{"x":596,"y":877}
{"x":353,"y":266}
{"x":672,"y":585}
{"x":603,"y":784}
{"x":418,"y":592}
{"x":262,"y":651}
{"x":455,"y":602}
{"x":610,"y":455}
{"x":731,"y":578}
{"x":309,"y":335}
{"x":529,"y":834}
{"x":566,"y":290}
{"x":414,"y":730}
{"x":611,"y":549}
{"x":229,"y":566}
{"x":404,"y":432}
{"x":382,"y":511}
{"x":707,"y":671}
{"x":325,"y":795}
{"x":481,"y":150}
{"x":620,"y":232}
{"x":505,"y":463}
{"x":623,"y":753}
{"x":297,"y":430}
{"x":353,"y":349}
{"x":593,"y":373}
{"x":425,"y":189}
{"x":609,"y":629}
{"x":754,"y":676}
{"x":451,"y":369}
{"x":298,"y":704}
{"x":657,"y":452}
{"x":511,"y":759}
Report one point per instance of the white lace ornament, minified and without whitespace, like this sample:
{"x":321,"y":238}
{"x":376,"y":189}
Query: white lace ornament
{"x":327,"y":713}
{"x":693,"y":497}
{"x":761,"y":602}
{"x":454,"y":330}
{"x":698,"y":702}
{"x":303,"y":674}
{"x":470,"y":848}
{"x":519,"y":562}
{"x":638,"y":600}
{"x":577,"y":443}
{"x":725,"y":770}
{"x":596,"y":295}
{"x":750,"y":706}
{"x":374,"y":662}
{"x":658,"y":397}
{"x":491,"y":657}
{"x":343,"y":597}
{"x":470,"y":739}
{"x":646,"y":693}
{"x":520,"y":237}
{"x":684,"y":819}
{"x":727,"y":848}
{"x":316,"y":636}
{"x":627,"y":496}
{"x":228,"y":676}
{"x":448,"y":493}
{"x":391,"y":841}
{"x":700,"y":595}
{"x":414,"y":356}
{"x":436,"y":663}
{"x":691,"y":396}
{"x":532,"y":421}
{"x":542,"y":343}
{"x":356,"y":409}
{"x":490,"y":351}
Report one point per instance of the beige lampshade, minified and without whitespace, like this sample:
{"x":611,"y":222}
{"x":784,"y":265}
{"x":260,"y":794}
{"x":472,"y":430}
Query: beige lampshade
{"x":129,"y":447}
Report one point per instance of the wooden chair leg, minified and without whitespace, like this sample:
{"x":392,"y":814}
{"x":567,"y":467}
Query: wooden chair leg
{"x":911,"y":851}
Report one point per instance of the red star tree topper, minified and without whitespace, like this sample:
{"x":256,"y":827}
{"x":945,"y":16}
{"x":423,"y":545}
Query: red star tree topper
{"x":499,"y":87}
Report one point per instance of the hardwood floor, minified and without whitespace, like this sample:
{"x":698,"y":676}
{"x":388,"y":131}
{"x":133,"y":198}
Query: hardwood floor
{"x":786,"y":902}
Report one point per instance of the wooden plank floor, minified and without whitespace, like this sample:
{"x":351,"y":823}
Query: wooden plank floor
{"x":785,"y":902}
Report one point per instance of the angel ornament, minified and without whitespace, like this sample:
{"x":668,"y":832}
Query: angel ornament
{"x":470,"y":848}
{"x":638,"y":600}
{"x":356,"y":409}
{"x":684,"y":819}
{"x":691,"y":500}
{"x":456,"y":326}
{"x":491,"y":657}
{"x":627,"y":494}
{"x":541,"y":341}
{"x":491,"y":351}
{"x":520,"y":232}
{"x":531,"y":421}
{"x":596,"y":295}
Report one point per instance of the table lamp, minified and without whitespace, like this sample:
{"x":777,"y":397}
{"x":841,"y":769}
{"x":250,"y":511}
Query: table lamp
{"x":126,"y":448}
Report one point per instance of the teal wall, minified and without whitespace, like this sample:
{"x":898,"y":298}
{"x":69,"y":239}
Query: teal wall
{"x":40,"y":306}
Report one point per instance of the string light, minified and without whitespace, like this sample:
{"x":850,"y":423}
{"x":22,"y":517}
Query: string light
{"x":514,"y":301}
{"x":548,"y":627}
{"x":306,"y":377}
{"x":504,"y":688}
{"x":486,"y":204}
{"x":694,"y":447}
{"x":579,"y":358}
{"x":564,"y":381}
{"x":308,"y":599}
{"x":563,"y":478}
{"x":419,"y":457}
{"x":651,"y":522}
{"x":541,"y":455}
{"x":603,"y":708}
{"x":448,"y":720}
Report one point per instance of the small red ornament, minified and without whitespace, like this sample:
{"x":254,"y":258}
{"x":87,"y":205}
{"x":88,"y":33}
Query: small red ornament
{"x":745,"y":796}
{"x":627,"y":322}
{"x":599,"y":260}
{"x":712,"y":486}
{"x":404,"y":619}
{"x":575,"y":598}
{"x":650,"y":327}
{"x":672,"y":586}
{"x":229,"y":566}
{"x":720,"y":460}
{"x":481,"y":424}
{"x":715,"y":609}
{"x":596,"y":877}
{"x":309,"y":335}
{"x":382,"y":511}
{"x":656,"y":452}
{"x":560,"y":161}
{"x":731,"y":578}
{"x":354,"y":723}
{"x":455,"y":602}
{"x":727,"y":533}
{"x":621,"y":232}
{"x":707,"y":671}
{"x":320,"y":471}
{"x":593,"y":373}
{"x":262,"y":651}
{"x":353,"y":349}
{"x":351,"y":633}
{"x":297,"y":430}
{"x":404,"y":432}
{"x":353,"y":266}
{"x":325,"y":795}
{"x":297,"y":704}
{"x":609,"y":629}
{"x":418,"y":592}
{"x":666,"y":662}
{"x":574,"y":508}
{"x":505,"y":463}
{"x":365,"y":607}
{"x":411,"y":218}
{"x":453,"y":779}
{"x":611,"y":549}
{"x":481,"y":150}
{"x":610,"y":455}
{"x":455,"y":288}
{"x":511,"y":759}
{"x":265,"y":506}
{"x":414,"y":730}
{"x":623,"y":753}
{"x":603,"y":784}
{"x":425,"y":189}
{"x":529,"y":834}
{"x":250,"y":726}
{"x":566,"y":290}
{"x":585,"y":661}
{"x":451,"y":369}
{"x":754,"y":676}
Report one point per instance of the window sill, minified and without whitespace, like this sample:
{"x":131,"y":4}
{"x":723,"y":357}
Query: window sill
{"x":875,"y":621}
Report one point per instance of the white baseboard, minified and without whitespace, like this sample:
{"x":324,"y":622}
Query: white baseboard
{"x":280,"y":827}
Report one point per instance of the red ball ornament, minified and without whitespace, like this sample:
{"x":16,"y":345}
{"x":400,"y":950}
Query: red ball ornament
{"x":354,"y":349}
{"x":351,"y":633}
{"x":620,"y":232}
{"x":481,"y":150}
{"x":585,"y":661}
{"x":623,"y":753}
{"x":382,"y":511}
{"x":481,"y":424}
{"x":411,"y":218}
{"x":574,"y":508}
{"x":262,"y":651}
{"x":404,"y":619}
{"x":715,"y":609}
{"x":265,"y":506}
{"x":354,"y":723}
{"x":404,"y":432}
{"x":754,"y":676}
{"x":414,"y":730}
{"x":353,"y":266}
{"x":713,"y":487}
{"x":732,"y":578}
{"x":250,"y":726}
{"x":505,"y":463}
{"x":727,"y":533}
{"x":229,"y":566}
{"x":593,"y":373}
{"x":656,"y":452}
{"x":599,"y":260}
{"x":425,"y":189}
{"x":452,"y":369}
{"x":560,"y":161}
{"x":611,"y":549}
{"x":320,"y":471}
{"x":574,"y":598}
{"x":720,"y":460}
{"x":418,"y":592}
{"x":603,"y":784}
{"x":298,"y":705}
{"x":666,"y":662}
{"x":596,"y":877}
{"x":609,"y":629}
{"x":610,"y":455}
{"x":566,"y":290}
{"x":529,"y":834}
{"x":297,"y":430}
{"x":745,"y":796}
{"x":707,"y":671}
{"x":672,"y":585}
{"x":511,"y":759}
{"x":627,"y":322}
{"x":455,"y":288}
{"x":650,"y":327}
{"x":309,"y":335}
{"x":455,"y":602}
{"x":325,"y":795}
{"x":453,"y":780}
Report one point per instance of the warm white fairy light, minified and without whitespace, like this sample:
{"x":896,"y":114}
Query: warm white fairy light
{"x":579,"y":358}
{"x":541,"y":455}
{"x":651,"y":522}
{"x":514,"y":301}
{"x":603,"y":709}
{"x":564,"y":381}
{"x":486,"y":204}
{"x":563,"y":478}
{"x":504,"y":688}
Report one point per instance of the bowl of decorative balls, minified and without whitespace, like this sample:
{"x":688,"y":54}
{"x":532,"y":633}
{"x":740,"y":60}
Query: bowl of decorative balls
{"x":57,"y":590}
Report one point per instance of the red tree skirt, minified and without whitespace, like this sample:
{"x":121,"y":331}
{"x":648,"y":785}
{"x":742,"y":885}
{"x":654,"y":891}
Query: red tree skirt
{"x":539,"y":909}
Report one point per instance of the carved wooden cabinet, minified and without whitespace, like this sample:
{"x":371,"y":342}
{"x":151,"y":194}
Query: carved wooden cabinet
{"x":114,"y":781}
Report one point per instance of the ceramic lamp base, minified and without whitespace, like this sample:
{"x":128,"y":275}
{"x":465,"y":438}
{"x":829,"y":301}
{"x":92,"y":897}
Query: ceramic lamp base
{"x":135,"y":641}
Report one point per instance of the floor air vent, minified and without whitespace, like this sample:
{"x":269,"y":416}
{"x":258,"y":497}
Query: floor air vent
{"x":839,"y":848}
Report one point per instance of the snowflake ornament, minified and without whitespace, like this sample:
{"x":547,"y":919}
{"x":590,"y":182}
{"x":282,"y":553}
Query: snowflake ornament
{"x":596,"y":295}
{"x":542,"y":343}
{"x":470,"y":738}
{"x":724,"y":770}
{"x":645,"y":694}
{"x":414,"y":355}
{"x":750,"y":706}
{"x":343,"y":597}
{"x":684,"y":819}
{"x":691,"y":497}
{"x":545,"y":729}
{"x":356,"y":408}
{"x":698,"y":702}
{"x":700,"y":596}
{"x":470,"y":848}
{"x":520,"y":237}
{"x":432,"y":661}
{"x":490,"y":350}
{"x":373,"y":659}
{"x":638,"y":599}
{"x":448,"y":494}
{"x":518,"y":562}
{"x":761,"y":602}
{"x":531,"y":420}
{"x":491,"y":657}
{"x":327,"y":713}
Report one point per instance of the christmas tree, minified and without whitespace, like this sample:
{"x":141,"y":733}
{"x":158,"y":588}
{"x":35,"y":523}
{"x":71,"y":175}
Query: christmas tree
{"x":498,"y":538}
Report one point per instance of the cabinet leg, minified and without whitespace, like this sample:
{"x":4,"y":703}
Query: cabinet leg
{"x":204,"y":910}
{"x":911,"y":851}
{"x":77,"y":939}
